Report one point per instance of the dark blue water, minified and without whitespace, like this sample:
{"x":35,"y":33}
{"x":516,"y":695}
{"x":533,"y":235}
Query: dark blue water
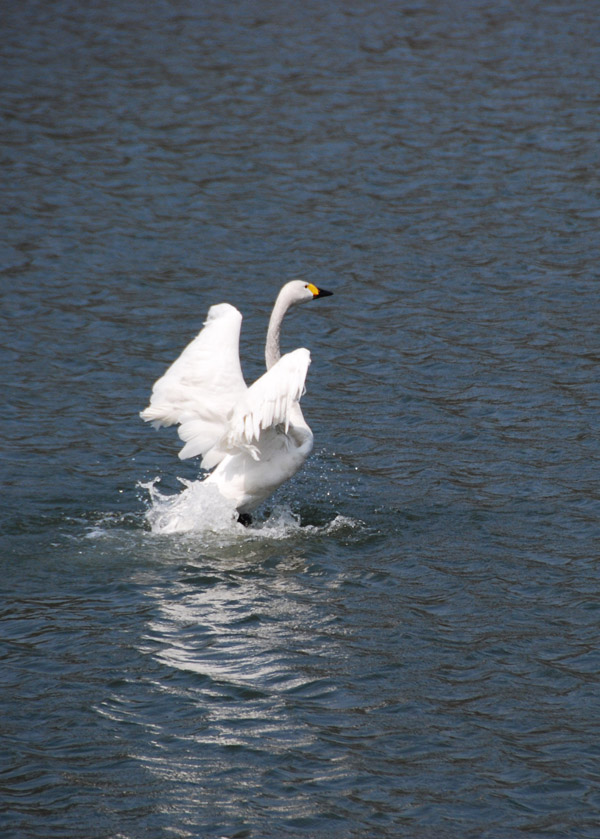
{"x":405,"y":644}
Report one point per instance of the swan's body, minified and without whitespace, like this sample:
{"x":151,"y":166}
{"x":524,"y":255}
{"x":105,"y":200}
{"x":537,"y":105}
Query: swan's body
{"x":253,"y":438}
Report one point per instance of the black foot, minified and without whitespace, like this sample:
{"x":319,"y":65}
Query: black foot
{"x":245,"y":519}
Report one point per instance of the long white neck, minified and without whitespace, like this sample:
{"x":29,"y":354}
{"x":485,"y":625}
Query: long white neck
{"x":272,"y":351}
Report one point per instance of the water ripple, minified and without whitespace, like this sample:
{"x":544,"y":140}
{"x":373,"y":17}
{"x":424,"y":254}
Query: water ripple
{"x":405,"y":642}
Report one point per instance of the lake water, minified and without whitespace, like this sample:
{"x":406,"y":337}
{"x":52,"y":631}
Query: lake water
{"x":406,"y":642}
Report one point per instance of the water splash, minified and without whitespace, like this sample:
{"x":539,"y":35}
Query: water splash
{"x":283,"y":523}
{"x":200,"y":508}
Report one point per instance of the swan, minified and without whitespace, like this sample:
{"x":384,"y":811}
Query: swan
{"x":252,"y":439}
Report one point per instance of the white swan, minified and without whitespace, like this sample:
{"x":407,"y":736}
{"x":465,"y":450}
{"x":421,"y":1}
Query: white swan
{"x":253,"y":438}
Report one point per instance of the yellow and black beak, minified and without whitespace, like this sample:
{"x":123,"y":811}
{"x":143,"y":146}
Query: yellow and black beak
{"x":318,"y":292}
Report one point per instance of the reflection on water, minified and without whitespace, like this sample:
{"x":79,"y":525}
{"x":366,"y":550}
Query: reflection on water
{"x":238,"y":648}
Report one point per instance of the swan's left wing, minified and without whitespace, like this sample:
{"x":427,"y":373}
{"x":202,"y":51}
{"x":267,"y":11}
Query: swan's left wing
{"x":268,"y":403}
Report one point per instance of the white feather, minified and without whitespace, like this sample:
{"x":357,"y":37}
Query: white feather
{"x":200,"y":388}
{"x":268,"y":402}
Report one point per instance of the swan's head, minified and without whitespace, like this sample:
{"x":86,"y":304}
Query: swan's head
{"x":292,"y":293}
{"x":298,"y":291}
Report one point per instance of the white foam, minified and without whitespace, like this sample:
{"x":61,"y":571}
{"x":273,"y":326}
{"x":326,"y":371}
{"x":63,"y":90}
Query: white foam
{"x":198,"y":507}
{"x":96,"y":533}
{"x":283,"y":523}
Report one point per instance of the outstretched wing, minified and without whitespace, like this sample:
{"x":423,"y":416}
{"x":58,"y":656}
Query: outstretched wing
{"x":268,"y":403}
{"x":200,"y":389}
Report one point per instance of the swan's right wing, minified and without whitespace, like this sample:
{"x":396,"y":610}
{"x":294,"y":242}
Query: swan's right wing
{"x":268,"y":403}
{"x":200,"y":389}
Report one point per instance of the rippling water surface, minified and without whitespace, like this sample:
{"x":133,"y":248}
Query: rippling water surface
{"x":405,"y":643}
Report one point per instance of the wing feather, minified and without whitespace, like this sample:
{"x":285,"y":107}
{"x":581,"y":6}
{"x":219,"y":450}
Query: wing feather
{"x":268,"y":403}
{"x":200,"y":389}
